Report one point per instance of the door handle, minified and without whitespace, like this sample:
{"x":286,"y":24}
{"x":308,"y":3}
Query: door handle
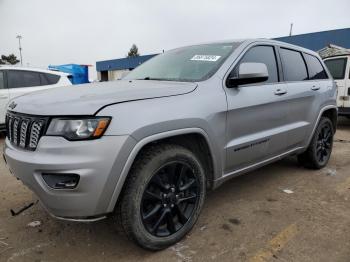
{"x":280,"y":92}
{"x":315,"y":88}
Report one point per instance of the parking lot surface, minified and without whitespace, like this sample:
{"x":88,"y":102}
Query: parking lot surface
{"x":281,"y":212}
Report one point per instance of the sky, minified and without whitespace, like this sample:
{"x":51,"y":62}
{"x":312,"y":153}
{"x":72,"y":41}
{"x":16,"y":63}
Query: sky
{"x":86,"y":31}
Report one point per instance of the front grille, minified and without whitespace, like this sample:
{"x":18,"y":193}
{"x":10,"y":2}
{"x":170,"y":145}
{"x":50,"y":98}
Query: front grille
{"x":25,"y":131}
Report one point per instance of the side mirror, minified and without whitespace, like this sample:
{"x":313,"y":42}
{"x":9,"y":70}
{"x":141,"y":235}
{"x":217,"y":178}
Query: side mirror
{"x":249,"y":73}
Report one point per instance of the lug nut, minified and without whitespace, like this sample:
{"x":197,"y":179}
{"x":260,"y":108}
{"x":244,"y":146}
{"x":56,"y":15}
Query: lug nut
{"x":172,"y":205}
{"x":172,"y":189}
{"x":164,"y":205}
{"x":164,"y":195}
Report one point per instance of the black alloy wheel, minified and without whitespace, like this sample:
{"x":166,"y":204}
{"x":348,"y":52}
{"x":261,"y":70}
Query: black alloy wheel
{"x":170,"y":199}
{"x":163,"y":195}
{"x":324,"y":143}
{"x":319,"y":150}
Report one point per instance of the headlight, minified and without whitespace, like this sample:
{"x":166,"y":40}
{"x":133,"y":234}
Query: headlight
{"x":78,"y":129}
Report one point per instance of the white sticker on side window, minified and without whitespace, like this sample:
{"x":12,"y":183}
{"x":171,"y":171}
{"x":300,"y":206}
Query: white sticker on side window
{"x":209,"y":58}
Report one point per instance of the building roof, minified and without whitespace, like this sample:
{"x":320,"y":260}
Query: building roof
{"x":318,"y":40}
{"x":122,"y":63}
{"x":333,"y":50}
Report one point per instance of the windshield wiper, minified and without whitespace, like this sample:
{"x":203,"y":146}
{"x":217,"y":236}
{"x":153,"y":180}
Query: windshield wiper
{"x":164,"y":79}
{"x":151,"y":78}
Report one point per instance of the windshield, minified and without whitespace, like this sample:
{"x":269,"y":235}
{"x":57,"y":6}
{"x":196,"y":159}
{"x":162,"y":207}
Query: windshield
{"x":188,"y":64}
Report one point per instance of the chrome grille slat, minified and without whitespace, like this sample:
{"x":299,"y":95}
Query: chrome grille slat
{"x":15,"y":130}
{"x":10,"y":128}
{"x":35,"y":133}
{"x":25,"y":131}
{"x":7,"y":123}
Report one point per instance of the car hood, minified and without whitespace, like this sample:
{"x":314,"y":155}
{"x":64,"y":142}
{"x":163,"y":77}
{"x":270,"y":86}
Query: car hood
{"x":87,"y":99}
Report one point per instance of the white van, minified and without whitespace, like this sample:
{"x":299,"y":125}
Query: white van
{"x":16,"y":81}
{"x":339,"y":66}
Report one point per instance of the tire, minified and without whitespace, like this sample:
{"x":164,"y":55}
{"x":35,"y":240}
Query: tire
{"x":166,"y":183}
{"x":319,"y":151}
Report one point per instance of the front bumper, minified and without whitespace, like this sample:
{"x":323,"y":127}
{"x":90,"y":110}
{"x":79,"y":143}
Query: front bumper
{"x":94,"y":161}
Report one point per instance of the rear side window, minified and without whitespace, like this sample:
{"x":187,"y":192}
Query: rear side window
{"x":337,"y":67}
{"x":294,"y":68}
{"x":265,"y":55}
{"x":18,"y":78}
{"x":316,"y":70}
{"x":48,"y":79}
{"x":2,"y":80}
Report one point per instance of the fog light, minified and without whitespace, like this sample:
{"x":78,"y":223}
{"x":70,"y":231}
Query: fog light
{"x":61,"y":181}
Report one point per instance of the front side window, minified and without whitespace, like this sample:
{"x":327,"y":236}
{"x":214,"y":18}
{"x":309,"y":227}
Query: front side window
{"x":2,"y":80}
{"x":337,"y":67}
{"x":316,"y":70}
{"x":19,"y":78}
{"x":294,"y":68}
{"x":188,"y":64}
{"x":265,"y":55}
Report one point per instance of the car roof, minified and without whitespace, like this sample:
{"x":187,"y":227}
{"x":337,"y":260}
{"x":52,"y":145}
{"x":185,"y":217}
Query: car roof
{"x":40,"y":70}
{"x":283,"y":44}
{"x":248,"y":41}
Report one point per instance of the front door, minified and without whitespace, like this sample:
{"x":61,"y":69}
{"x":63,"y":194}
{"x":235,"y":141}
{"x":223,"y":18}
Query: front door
{"x":4,"y":97}
{"x":257,"y":114}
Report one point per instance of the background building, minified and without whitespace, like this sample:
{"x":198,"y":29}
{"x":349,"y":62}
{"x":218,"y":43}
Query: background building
{"x":114,"y":69}
{"x":318,"y":40}
{"x":326,"y":41}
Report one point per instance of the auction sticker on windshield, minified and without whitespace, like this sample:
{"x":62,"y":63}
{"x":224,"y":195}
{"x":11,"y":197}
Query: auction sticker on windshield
{"x":210,"y":58}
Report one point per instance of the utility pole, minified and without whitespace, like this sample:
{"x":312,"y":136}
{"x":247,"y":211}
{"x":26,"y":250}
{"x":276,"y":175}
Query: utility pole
{"x":291,"y":29}
{"x":19,"y":37}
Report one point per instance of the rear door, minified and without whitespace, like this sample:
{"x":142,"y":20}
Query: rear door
{"x":321,"y":84}
{"x":21,"y":82}
{"x":339,"y":69}
{"x":302,"y":94}
{"x":257,"y":114}
{"x":4,"y":96}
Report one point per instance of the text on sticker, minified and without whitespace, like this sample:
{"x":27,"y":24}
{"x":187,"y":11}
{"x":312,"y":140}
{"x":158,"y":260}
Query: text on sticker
{"x":210,"y":58}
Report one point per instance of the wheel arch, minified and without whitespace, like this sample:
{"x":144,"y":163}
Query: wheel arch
{"x":329,"y":111}
{"x":332,"y":114}
{"x":195,"y":139}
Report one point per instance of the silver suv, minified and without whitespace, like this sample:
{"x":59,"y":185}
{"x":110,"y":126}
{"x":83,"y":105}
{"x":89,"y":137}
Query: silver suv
{"x":147,"y":148}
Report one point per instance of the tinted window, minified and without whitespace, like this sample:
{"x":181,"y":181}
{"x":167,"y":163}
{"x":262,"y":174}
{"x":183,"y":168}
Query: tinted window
{"x":2,"y":80}
{"x":18,"y":78}
{"x":48,"y":79}
{"x":336,"y":67}
{"x":265,"y":55}
{"x":316,"y":70}
{"x":294,"y":68}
